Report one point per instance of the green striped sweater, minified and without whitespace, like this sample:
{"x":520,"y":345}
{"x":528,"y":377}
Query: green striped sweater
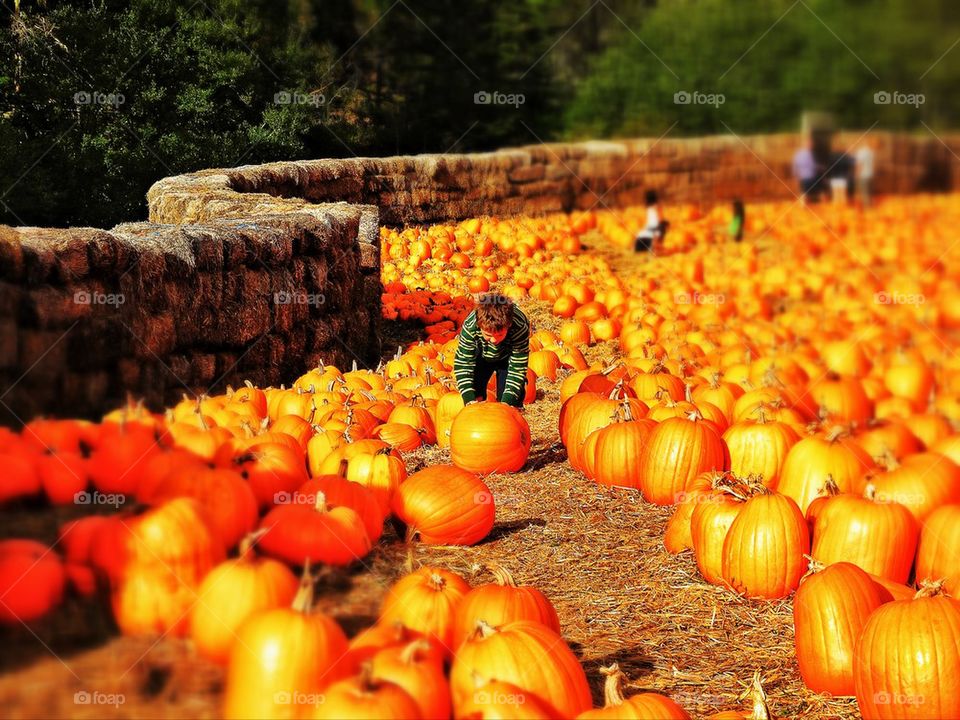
{"x":471,"y":346}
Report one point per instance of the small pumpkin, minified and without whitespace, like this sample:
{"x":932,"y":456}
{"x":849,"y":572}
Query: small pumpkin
{"x":232,"y":592}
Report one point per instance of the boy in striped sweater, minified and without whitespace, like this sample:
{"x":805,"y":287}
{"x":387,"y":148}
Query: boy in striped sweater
{"x":494,"y":338}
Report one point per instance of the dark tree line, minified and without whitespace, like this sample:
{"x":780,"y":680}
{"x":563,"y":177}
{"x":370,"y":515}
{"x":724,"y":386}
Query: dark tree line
{"x":100,"y":98}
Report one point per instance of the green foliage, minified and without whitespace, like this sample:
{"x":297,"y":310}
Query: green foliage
{"x":100,"y":98}
{"x":770,"y":61}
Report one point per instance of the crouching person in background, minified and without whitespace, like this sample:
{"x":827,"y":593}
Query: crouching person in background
{"x":494,"y":339}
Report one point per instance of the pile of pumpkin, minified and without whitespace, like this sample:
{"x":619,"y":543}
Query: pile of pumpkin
{"x":843,"y":515}
{"x":316,"y":469}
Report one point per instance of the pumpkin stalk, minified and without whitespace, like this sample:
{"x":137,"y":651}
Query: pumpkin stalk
{"x":320,"y":503}
{"x":414,"y":651}
{"x":249,"y":541}
{"x":929,"y":588}
{"x":756,"y":693}
{"x":303,"y":600}
{"x":483,"y":630}
{"x":502,"y":576}
{"x":613,"y":686}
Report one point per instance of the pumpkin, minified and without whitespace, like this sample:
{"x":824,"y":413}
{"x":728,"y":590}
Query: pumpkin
{"x":401,"y":436}
{"x":116,"y":465}
{"x":381,"y":471}
{"x":416,"y":668}
{"x":907,"y":659}
{"x":677,"y":535}
{"x":676,"y":452}
{"x":585,"y":412}
{"x":710,"y":521}
{"x":283,"y":659}
{"x":426,"y":602}
{"x":340,"y":492}
{"x":939,"y":548}
{"x":614,"y":458}
{"x":880,"y":538}
{"x":764,"y":548}
{"x":526,"y":654}
{"x":830,"y":610}
{"x":270,"y":468}
{"x":232,"y":592}
{"x":489,"y":437}
{"x":842,"y":399}
{"x":759,"y":447}
{"x":300,"y":533}
{"x":922,"y":483}
{"x":416,"y":415}
{"x":448,"y":406}
{"x":502,"y":602}
{"x":379,"y":636}
{"x":642,"y":706}
{"x":32,"y":580}
{"x":228,"y":502}
{"x":812,"y":459}
{"x":445,"y":505}
{"x":362,"y":697}
{"x":62,"y":475}
{"x":165,"y":554}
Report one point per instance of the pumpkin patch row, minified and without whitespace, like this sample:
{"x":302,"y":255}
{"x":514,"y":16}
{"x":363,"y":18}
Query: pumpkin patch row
{"x":439,"y":647}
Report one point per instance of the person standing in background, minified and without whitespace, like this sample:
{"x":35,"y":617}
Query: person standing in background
{"x":805,"y":171}
{"x":738,"y":220}
{"x":864,"y":171}
{"x":651,"y":234}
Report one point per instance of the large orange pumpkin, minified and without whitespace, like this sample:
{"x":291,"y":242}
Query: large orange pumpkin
{"x":764,"y":548}
{"x":676,"y":452}
{"x":527,"y":654}
{"x":907,"y":659}
{"x":283,"y":659}
{"x":445,"y":505}
{"x":830,"y":609}
{"x":488,"y":437}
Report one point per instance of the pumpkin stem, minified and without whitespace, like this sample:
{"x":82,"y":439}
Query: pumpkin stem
{"x":835,"y":433}
{"x":368,"y":684}
{"x":929,"y":588}
{"x":688,"y":392}
{"x":502,"y":576}
{"x":248,"y":542}
{"x":756,"y":693}
{"x":483,"y":630}
{"x":830,"y":487}
{"x":320,"y":503}
{"x":414,"y":651}
{"x":814,"y":566}
{"x":613,"y":686}
{"x":303,"y":601}
{"x":342,"y":467}
{"x":870,"y":491}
